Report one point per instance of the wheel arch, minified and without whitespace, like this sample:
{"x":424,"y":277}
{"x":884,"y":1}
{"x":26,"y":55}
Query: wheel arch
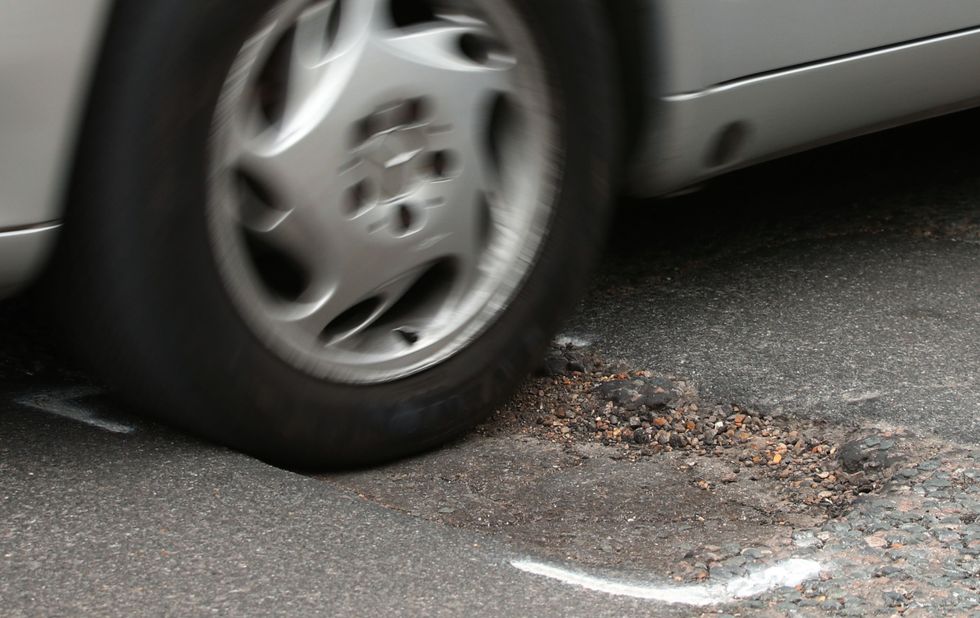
{"x":630,"y":22}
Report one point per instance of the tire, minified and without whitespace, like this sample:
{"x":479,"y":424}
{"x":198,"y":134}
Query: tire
{"x":153,"y":312}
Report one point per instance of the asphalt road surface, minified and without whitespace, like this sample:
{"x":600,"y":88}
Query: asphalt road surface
{"x":842,"y":284}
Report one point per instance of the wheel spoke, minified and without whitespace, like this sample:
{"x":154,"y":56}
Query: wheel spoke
{"x":314,"y":34}
{"x":455,"y":232}
{"x":464,"y":200}
{"x":300,"y":237}
{"x":478,"y":169}
{"x":329,"y":47}
{"x":434,"y":57}
{"x":360,"y":19}
{"x":309,"y":43}
{"x":357,"y":300}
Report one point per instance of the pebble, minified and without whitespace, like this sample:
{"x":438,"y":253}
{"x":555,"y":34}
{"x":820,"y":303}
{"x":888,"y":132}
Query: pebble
{"x":755,"y":553}
{"x":806,"y":539}
{"x":893,"y":599}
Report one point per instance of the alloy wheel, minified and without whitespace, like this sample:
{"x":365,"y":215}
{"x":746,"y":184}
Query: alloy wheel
{"x":382,"y":178}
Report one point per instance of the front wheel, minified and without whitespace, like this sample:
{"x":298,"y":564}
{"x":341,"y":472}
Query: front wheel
{"x":335,"y":232}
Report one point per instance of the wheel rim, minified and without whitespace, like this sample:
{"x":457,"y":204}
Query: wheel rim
{"x":382,"y":180}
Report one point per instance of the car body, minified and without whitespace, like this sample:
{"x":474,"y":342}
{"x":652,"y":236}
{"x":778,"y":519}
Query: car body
{"x":700,"y":87}
{"x":718,"y":86}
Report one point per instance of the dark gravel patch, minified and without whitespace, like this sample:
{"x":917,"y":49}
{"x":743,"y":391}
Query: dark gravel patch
{"x":816,"y":467}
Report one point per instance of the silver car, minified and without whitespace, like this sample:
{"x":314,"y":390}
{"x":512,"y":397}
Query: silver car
{"x":333,"y":232}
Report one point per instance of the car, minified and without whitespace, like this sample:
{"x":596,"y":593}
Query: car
{"x":337,"y":232}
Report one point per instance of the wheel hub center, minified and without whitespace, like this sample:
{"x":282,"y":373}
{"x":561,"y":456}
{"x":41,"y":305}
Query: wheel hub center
{"x":397,"y":160}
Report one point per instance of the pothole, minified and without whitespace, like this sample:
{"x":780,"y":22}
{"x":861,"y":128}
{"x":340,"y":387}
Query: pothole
{"x":597,"y":466}
{"x":600,"y":465}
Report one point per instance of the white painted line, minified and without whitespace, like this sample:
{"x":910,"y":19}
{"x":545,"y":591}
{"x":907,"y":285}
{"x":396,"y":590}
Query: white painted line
{"x":62,"y":403}
{"x":788,"y":573}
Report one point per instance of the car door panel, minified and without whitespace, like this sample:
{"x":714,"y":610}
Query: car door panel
{"x":702,"y":43}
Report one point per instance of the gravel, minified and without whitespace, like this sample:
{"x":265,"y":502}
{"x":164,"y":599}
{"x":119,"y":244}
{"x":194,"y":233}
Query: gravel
{"x":581,"y":398}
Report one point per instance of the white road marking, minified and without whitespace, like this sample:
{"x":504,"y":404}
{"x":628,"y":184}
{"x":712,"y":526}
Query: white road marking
{"x":788,"y":573}
{"x":63,"y":403}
